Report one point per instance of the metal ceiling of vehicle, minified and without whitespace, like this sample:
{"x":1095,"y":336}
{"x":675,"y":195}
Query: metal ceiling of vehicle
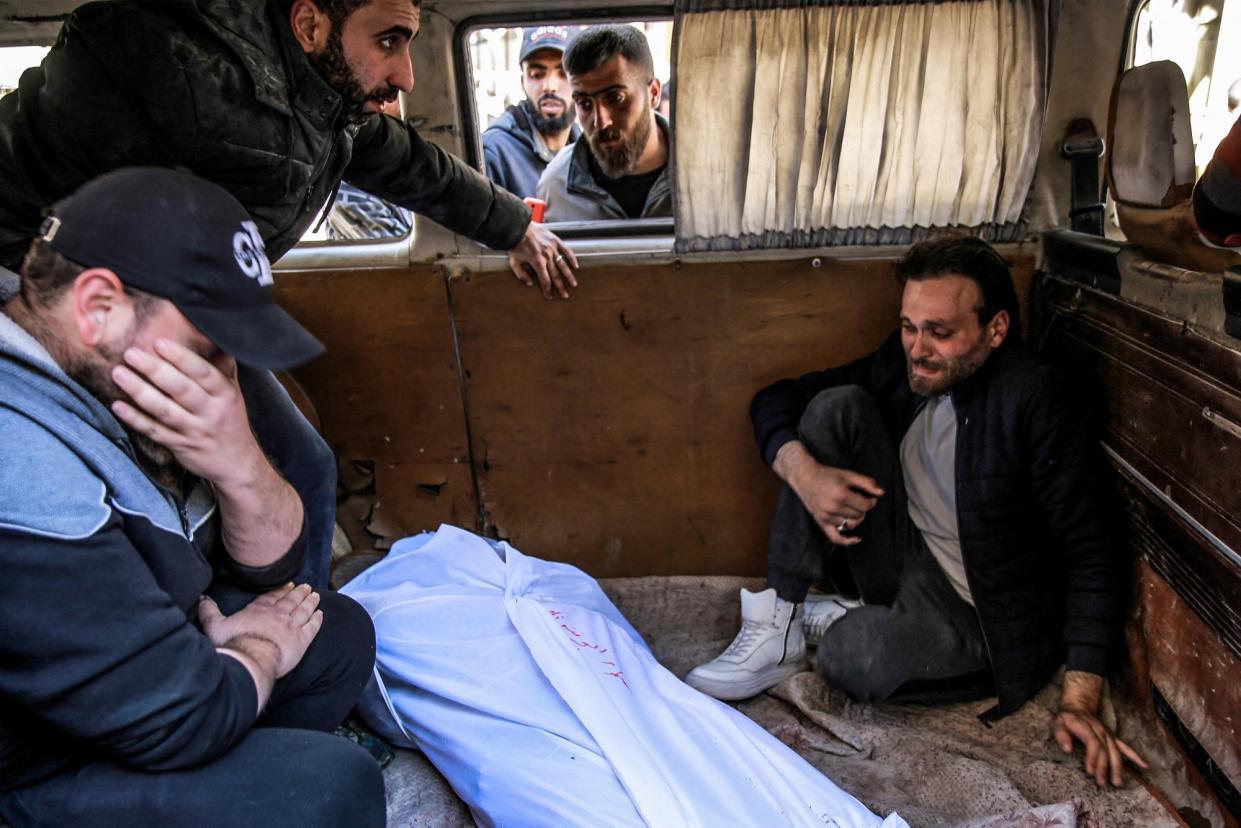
{"x":29,"y":22}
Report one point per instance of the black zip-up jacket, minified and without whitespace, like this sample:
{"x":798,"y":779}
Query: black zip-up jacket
{"x":1033,"y":514}
{"x":221,"y":88}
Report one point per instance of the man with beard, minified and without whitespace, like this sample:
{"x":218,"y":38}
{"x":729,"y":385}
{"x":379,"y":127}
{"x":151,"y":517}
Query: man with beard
{"x":517,"y":147}
{"x":951,"y":487}
{"x":157,"y":665}
{"x":621,"y":169}
{"x":276,"y":101}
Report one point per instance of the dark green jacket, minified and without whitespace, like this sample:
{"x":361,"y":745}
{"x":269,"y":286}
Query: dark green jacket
{"x":221,"y":88}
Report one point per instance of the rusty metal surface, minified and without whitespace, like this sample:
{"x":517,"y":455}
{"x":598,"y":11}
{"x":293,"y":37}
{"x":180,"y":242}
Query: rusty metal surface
{"x":1173,"y":400}
{"x":1171,"y":649}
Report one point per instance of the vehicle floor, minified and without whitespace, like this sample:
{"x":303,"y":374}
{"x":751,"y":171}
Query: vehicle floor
{"x":936,"y":766}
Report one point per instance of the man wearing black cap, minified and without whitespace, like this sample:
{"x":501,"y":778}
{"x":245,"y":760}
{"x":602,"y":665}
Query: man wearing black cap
{"x":517,"y":147}
{"x":157,"y":664}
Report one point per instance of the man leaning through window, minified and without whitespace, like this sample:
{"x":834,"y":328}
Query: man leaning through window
{"x":621,"y":169}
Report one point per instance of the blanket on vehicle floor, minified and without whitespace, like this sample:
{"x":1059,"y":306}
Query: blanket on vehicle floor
{"x":935,"y":766}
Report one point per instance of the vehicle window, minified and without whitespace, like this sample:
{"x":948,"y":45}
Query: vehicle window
{"x":1187,"y":32}
{"x":858,"y":123}
{"x":528,"y":115}
{"x":357,"y":216}
{"x":16,"y":59}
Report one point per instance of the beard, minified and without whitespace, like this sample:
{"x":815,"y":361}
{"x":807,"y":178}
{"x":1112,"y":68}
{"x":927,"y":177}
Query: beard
{"x":338,"y":74}
{"x":95,"y":375}
{"x":550,"y":124}
{"x":951,"y":372}
{"x":621,"y":157}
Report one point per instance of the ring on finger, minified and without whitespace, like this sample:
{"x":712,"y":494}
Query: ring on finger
{"x":844,"y":525}
{"x":559,"y":259}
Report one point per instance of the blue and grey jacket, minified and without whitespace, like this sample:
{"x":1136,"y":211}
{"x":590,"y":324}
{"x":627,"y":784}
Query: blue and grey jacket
{"x":99,"y":652}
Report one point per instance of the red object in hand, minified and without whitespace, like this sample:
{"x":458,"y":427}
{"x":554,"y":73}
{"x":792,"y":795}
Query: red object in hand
{"x":537,"y":206}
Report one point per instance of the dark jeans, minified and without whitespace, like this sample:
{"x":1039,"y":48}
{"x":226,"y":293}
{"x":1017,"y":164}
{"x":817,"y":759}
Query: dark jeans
{"x":915,"y":639}
{"x":288,"y":771}
{"x":302,"y":457}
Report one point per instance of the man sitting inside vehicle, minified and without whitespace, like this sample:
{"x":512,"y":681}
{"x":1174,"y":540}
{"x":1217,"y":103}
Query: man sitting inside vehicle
{"x":621,"y":169}
{"x":157,"y":666}
{"x":952,"y":482}
{"x":518,"y":146}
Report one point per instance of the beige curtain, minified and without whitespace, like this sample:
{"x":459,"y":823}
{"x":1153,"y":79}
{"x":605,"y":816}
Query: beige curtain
{"x":822,"y":124}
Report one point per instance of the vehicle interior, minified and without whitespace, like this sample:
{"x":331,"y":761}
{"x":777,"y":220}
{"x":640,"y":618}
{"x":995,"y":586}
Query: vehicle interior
{"x":812,"y":145}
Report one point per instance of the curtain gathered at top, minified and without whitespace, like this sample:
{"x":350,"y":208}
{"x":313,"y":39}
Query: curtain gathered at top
{"x":808,"y":124}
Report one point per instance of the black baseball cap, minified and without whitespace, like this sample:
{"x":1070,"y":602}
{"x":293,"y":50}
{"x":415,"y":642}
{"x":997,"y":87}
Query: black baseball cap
{"x":545,"y":37}
{"x":187,"y":240}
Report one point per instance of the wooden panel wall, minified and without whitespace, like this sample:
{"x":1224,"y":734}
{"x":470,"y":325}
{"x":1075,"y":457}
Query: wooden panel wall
{"x":611,"y":431}
{"x":388,"y":395}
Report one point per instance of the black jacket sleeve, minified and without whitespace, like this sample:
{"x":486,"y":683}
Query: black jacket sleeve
{"x":391,"y":160}
{"x":1069,"y":491}
{"x":777,"y":409}
{"x":93,"y":647}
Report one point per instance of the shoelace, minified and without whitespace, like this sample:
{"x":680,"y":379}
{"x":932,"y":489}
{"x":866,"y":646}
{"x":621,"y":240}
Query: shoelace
{"x":749,"y":631}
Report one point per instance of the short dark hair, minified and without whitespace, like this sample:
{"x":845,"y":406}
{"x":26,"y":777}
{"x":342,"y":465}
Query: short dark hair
{"x":336,"y":10}
{"x":46,"y":275}
{"x":974,"y":259}
{"x":597,"y":45}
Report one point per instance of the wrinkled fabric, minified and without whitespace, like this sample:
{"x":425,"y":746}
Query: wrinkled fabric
{"x":848,"y":122}
{"x":541,"y":705}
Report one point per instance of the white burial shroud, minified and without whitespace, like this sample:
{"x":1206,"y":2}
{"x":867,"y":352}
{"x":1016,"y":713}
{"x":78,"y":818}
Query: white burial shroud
{"x":541,"y":705}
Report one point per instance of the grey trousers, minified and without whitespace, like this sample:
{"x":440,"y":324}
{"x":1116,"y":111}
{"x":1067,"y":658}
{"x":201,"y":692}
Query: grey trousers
{"x":915,"y":639}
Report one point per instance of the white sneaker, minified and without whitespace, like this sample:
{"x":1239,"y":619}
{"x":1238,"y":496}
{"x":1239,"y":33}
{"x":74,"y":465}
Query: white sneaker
{"x":821,"y":612}
{"x":770,"y":647}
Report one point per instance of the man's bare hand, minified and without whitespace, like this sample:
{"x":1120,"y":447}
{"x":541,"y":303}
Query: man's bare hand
{"x":837,"y":499}
{"x":1078,"y":720}
{"x":543,"y":256}
{"x":189,"y":406}
{"x":288,"y":617}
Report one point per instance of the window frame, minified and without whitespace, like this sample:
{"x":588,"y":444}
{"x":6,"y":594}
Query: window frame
{"x":610,"y":232}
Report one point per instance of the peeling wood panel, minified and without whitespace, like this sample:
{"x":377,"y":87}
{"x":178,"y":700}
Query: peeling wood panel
{"x":612,"y":430}
{"x":388,"y":395}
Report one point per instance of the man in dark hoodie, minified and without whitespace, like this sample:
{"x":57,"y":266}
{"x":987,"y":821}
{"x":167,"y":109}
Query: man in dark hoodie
{"x":518,"y":146}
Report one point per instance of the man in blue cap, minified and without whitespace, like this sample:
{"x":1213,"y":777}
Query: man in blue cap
{"x":518,"y":146}
{"x":157,"y":663}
